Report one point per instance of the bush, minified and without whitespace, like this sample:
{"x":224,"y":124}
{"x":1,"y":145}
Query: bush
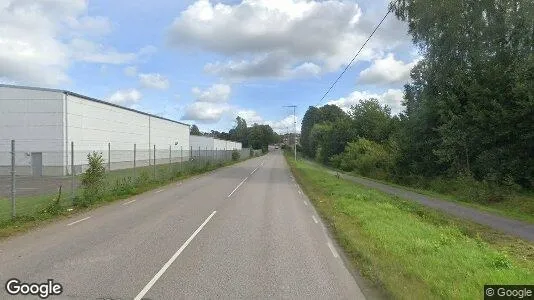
{"x":364,"y":157}
{"x":93,"y":179}
{"x":235,"y":155}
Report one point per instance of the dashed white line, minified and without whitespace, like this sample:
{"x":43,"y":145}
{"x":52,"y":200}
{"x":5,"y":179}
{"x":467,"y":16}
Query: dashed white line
{"x":241,"y":183}
{"x":173,"y":258}
{"x":75,"y":222}
{"x":315,"y":219}
{"x":157,"y":192}
{"x":334,"y":252}
{"x":254,"y":170}
{"x":305,"y":203}
{"x":300,"y":193}
{"x":129,"y":202}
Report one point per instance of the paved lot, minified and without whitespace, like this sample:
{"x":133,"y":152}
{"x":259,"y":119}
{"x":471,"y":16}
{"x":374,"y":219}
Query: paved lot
{"x":241,"y":232}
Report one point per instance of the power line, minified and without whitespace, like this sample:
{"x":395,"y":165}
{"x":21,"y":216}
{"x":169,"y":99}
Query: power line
{"x":354,"y":58}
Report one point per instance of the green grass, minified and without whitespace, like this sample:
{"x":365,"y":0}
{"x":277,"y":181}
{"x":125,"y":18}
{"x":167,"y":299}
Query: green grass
{"x":120,"y":184}
{"x":410,"y":251}
{"x":518,"y":205}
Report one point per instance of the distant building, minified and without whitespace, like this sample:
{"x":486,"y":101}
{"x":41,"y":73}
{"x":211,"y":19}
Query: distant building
{"x":44,"y":123}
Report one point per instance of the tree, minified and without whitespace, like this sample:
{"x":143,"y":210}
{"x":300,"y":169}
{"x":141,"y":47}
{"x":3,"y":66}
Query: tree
{"x":240,"y":132}
{"x":194,"y":130}
{"x":311,"y":117}
{"x":371,"y":120}
{"x":473,"y":103}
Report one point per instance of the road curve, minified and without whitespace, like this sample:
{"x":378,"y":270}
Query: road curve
{"x":241,"y":232}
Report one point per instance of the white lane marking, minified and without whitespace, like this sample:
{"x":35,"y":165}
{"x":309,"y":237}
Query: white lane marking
{"x":334,"y":252}
{"x":173,"y":258}
{"x":254,"y":170}
{"x":315,"y":219}
{"x":70,"y":224}
{"x":305,"y":203}
{"x":129,"y":202}
{"x":179,"y":184}
{"x":300,"y":193}
{"x":237,"y":187}
{"x":157,"y":192}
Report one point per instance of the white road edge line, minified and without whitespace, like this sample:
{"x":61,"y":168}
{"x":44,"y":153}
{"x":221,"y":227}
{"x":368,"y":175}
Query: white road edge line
{"x":173,"y":258}
{"x":300,"y":193}
{"x":334,"y":252}
{"x":315,"y":219}
{"x":305,"y":203}
{"x":157,"y":192}
{"x":241,"y":183}
{"x":75,"y":222}
{"x":129,"y":202}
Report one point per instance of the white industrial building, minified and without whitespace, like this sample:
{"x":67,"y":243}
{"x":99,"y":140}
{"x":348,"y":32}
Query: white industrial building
{"x":197,"y":142}
{"x":44,"y":123}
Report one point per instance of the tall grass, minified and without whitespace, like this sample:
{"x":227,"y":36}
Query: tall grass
{"x":410,"y":251}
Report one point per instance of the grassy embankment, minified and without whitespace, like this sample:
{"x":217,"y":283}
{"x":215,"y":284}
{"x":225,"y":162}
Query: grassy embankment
{"x":409,"y":251}
{"x":120,"y":184}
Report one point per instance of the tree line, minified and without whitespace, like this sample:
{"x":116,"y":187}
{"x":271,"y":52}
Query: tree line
{"x":468,"y":111}
{"x":256,"y":137}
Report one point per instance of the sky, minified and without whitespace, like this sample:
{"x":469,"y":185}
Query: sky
{"x":205,"y":62}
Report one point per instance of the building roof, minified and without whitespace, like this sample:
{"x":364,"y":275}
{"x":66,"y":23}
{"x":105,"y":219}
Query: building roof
{"x":87,"y":98}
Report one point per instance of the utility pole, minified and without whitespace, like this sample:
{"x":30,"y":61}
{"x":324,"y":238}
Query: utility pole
{"x":294,"y":128}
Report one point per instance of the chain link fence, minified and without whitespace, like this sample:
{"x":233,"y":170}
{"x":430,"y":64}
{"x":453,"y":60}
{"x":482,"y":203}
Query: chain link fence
{"x":29,"y":181}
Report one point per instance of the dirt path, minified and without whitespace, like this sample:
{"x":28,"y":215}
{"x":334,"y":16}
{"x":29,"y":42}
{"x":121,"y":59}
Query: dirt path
{"x":517,"y":228}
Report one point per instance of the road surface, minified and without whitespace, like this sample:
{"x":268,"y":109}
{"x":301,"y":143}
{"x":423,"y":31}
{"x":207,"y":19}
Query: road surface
{"x":241,"y":232}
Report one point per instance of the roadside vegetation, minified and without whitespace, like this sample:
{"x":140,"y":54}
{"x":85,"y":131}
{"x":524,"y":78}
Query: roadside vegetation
{"x":409,"y":251}
{"x":97,"y":188}
{"x":466,"y":128}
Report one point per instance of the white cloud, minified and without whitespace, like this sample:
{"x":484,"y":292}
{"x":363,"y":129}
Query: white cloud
{"x":250,"y":116}
{"x":215,"y":93}
{"x":126,"y":97}
{"x":286,"y":125}
{"x":210,"y":104}
{"x":130,"y":71}
{"x":392,"y":98}
{"x":206,"y":112}
{"x":154,"y":81}
{"x":39,"y":40}
{"x":272,"y":65}
{"x":88,"y":51}
{"x":387,"y":70}
{"x":282,"y":34}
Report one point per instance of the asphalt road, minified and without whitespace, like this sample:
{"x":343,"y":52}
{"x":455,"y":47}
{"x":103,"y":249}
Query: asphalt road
{"x":241,"y":232}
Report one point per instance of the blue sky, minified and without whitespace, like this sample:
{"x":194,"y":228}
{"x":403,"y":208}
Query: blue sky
{"x":205,"y":62}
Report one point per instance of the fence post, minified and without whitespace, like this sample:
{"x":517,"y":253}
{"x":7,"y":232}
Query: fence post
{"x":206,"y":154}
{"x":199,"y":156}
{"x":181,"y":159}
{"x":154,"y":161}
{"x":109,"y":157}
{"x":13,"y":206}
{"x":72,"y":169}
{"x":170,"y":159}
{"x":135,"y":154}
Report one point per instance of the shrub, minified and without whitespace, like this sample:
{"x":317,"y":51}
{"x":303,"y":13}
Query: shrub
{"x":365,"y":157}
{"x":235,"y":155}
{"x":93,"y":179}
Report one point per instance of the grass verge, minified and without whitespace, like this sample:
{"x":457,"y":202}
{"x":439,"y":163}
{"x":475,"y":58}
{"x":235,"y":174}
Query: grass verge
{"x":518,"y":205}
{"x":39,"y":210}
{"x":410,"y":251}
